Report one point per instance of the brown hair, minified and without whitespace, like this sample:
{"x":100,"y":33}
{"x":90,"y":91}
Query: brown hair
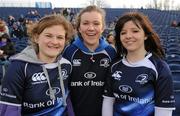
{"x":152,"y":43}
{"x":50,"y":20}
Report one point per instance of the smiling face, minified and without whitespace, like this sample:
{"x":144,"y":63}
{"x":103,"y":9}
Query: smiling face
{"x":51,"y":42}
{"x":132,"y":37}
{"x":91,"y":28}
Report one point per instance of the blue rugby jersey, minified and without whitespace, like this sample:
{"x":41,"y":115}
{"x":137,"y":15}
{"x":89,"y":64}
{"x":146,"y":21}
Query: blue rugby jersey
{"x":26,"y":86}
{"x":140,"y":87}
{"x":88,"y":75}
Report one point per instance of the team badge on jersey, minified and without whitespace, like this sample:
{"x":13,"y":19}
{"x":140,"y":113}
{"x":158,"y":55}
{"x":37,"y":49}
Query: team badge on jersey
{"x":117,"y":75}
{"x":142,"y":79}
{"x":64,"y":73}
{"x":104,"y":62}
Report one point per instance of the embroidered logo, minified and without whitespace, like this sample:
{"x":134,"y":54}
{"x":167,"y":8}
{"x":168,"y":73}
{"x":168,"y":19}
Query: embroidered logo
{"x":104,"y":62}
{"x":64,"y":74}
{"x":125,"y":88}
{"x":117,"y":75}
{"x":90,"y":75}
{"x":76,"y":62}
{"x":38,"y":78}
{"x":55,"y":90}
{"x":142,"y":79}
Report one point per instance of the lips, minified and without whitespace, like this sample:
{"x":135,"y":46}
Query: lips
{"x":90,"y":34}
{"x":53,"y":47}
{"x":129,"y":42}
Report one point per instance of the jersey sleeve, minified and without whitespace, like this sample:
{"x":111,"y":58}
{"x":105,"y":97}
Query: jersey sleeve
{"x":70,"y":107}
{"x":107,"y":107}
{"x":162,"y":112}
{"x":9,"y":110}
{"x":13,"y":84}
{"x":164,"y":88}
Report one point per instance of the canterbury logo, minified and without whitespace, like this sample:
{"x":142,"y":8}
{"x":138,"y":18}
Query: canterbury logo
{"x":38,"y":76}
{"x":76,"y":62}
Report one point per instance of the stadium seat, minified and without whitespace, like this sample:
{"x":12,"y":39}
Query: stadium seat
{"x":174,"y":67}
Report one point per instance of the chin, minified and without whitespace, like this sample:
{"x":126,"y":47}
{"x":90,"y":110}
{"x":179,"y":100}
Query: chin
{"x":53,"y":55}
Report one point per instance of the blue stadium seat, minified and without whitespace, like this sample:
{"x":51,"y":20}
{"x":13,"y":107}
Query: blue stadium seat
{"x":174,"y":67}
{"x":173,"y":59}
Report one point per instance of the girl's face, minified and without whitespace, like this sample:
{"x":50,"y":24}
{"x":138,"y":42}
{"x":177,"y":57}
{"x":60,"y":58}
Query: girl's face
{"x":91,"y":28}
{"x":110,"y":39}
{"x":51,"y":42}
{"x":132,"y":37}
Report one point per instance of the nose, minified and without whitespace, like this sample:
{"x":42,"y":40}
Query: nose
{"x":54,"y":40}
{"x":128,"y":35}
{"x":91,"y":27}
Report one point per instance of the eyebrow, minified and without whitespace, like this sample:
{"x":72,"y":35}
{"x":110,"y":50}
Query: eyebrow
{"x":53,"y":34}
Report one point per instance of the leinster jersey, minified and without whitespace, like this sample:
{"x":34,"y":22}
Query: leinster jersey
{"x":140,"y":87}
{"x":35,"y":87}
{"x":88,"y":76}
